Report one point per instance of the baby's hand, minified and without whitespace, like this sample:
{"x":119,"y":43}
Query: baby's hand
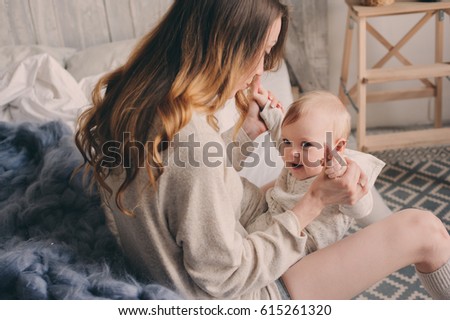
{"x":262,"y":96}
{"x":335,"y":168}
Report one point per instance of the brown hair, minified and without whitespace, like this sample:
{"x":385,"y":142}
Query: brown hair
{"x":190,"y":61}
{"x":332,"y":107}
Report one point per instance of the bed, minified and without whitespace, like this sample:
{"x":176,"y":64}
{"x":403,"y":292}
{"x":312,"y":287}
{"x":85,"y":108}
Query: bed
{"x":54,"y":243}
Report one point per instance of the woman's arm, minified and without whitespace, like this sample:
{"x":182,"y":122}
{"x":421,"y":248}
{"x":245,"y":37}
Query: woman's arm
{"x":220,"y":256}
{"x":348,"y":189}
{"x":204,"y":207}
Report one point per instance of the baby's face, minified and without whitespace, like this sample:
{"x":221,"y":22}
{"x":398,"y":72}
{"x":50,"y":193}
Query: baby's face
{"x":303,"y":143}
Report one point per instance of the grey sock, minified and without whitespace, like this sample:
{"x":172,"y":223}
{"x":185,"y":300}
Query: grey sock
{"x":437,"y":283}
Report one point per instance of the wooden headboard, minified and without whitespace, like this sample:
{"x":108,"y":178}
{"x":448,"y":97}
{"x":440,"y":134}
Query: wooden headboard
{"x":76,"y":23}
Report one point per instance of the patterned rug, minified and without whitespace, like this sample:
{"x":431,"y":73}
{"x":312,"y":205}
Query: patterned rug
{"x":412,"y":178}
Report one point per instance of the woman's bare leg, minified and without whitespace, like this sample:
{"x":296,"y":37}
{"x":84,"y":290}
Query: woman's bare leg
{"x":348,"y":267}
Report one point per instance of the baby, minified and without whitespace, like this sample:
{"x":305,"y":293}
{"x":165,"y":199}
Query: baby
{"x":314,"y":122}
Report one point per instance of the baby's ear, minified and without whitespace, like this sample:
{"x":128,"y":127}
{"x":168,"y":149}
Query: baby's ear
{"x":340,"y":145}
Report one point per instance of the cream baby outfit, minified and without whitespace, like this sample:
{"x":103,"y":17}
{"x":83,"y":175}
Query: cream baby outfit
{"x":334,"y":221}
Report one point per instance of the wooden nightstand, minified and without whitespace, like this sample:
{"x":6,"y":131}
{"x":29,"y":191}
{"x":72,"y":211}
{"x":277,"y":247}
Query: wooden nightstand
{"x":359,"y":96}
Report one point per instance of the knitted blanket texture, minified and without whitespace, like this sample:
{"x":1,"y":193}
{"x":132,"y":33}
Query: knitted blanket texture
{"x":54,"y":243}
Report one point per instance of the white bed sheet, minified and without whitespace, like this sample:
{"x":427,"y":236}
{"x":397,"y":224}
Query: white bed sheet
{"x":38,"y":89}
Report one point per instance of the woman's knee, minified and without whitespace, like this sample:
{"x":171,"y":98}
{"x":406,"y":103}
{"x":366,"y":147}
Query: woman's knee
{"x":428,"y":229}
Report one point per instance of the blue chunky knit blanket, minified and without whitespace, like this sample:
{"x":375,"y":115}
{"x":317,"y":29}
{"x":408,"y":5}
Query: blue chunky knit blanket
{"x":54,"y":243}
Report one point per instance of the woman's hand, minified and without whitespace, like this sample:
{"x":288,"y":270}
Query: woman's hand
{"x":258,"y":97}
{"x":346,"y":189}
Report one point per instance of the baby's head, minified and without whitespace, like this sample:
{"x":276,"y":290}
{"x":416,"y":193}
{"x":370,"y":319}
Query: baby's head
{"x":304,"y":132}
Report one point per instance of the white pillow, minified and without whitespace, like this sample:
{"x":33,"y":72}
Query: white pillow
{"x":99,"y":59}
{"x":12,"y":55}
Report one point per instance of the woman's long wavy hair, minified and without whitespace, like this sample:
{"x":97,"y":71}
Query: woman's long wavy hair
{"x":192,"y":60}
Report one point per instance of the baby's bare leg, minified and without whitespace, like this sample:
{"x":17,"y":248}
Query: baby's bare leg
{"x":348,"y":267}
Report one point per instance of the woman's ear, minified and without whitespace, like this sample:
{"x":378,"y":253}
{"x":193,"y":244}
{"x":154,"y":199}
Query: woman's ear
{"x":340,"y":145}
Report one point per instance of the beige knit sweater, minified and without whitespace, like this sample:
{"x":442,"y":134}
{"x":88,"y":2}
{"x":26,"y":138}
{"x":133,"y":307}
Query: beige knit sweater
{"x":192,"y":233}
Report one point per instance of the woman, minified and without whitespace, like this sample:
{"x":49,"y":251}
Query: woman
{"x":182,"y":217}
